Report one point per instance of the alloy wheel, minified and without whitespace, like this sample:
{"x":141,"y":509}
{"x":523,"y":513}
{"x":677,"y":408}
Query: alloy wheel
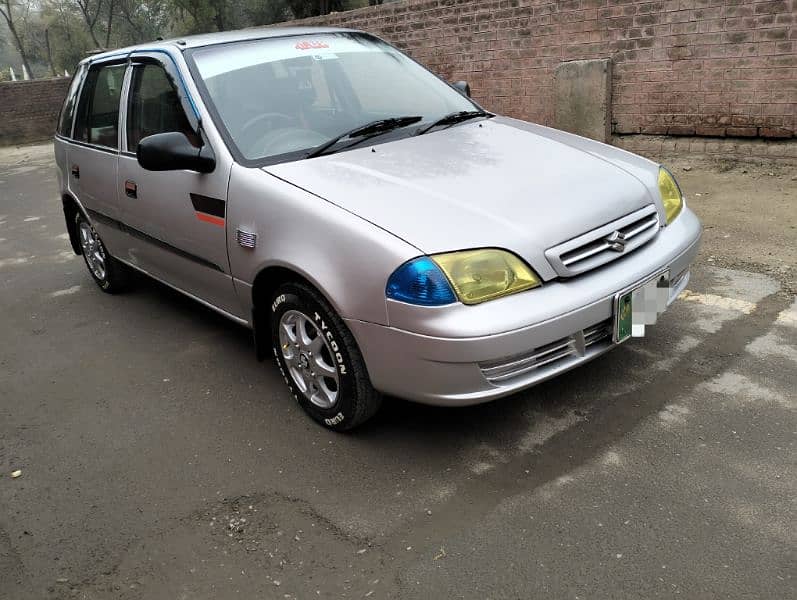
{"x":93,"y":250}
{"x":309,"y":359}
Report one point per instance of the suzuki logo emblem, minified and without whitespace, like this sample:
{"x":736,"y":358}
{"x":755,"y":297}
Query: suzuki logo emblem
{"x":616,"y":241}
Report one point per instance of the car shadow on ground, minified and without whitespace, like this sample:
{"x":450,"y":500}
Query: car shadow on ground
{"x":503,"y":422}
{"x":524,"y":441}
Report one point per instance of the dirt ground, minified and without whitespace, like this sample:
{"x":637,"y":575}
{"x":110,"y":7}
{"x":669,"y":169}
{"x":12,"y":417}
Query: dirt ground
{"x":749,"y":212}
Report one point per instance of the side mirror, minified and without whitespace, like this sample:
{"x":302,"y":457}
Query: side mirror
{"x":173,"y":152}
{"x":463,"y":87}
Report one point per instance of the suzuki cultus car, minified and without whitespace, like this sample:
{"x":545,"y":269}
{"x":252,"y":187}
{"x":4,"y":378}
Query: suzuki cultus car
{"x":379,"y":231}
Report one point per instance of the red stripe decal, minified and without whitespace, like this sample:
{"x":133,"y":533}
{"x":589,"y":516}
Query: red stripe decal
{"x":210,"y":219}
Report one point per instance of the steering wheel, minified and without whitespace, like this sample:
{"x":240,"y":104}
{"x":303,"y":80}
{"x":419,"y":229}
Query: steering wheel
{"x":288,"y":139}
{"x":253,"y":130}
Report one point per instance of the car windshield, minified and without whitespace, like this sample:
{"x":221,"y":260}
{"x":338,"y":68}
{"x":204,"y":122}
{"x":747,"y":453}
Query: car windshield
{"x":280,"y":98}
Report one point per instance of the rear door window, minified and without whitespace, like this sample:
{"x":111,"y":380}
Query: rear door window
{"x":98,"y":112}
{"x":68,"y":110}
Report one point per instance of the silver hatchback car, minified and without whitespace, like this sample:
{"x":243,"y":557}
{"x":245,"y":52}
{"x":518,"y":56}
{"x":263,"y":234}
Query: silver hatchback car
{"x":378,"y":231}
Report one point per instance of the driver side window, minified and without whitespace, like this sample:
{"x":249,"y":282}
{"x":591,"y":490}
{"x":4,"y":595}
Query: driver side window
{"x":154,"y":106}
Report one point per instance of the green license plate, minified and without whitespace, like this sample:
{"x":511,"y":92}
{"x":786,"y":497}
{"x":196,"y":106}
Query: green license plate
{"x":624,"y":320}
{"x":639,"y":306}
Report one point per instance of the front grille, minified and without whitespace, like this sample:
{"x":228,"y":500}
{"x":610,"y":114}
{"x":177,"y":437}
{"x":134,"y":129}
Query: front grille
{"x":549,"y":356}
{"x":604,"y":244}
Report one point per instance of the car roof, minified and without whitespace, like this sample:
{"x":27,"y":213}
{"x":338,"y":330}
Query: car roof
{"x":222,"y":37}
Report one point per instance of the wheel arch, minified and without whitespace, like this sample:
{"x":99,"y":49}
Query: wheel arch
{"x":266,"y":282}
{"x":71,"y":210}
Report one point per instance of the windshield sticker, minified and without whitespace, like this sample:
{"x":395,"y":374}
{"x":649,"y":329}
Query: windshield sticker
{"x":311,"y":45}
{"x":219,"y":60}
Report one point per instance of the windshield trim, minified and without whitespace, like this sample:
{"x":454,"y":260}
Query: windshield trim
{"x":221,"y":127}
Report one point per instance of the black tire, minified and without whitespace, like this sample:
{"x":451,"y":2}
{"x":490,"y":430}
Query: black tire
{"x":116,"y":276}
{"x":356,"y":401}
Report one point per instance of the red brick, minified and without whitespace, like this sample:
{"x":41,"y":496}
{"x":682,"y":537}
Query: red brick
{"x":654,"y":129}
{"x":710,"y":131}
{"x":778,"y":6}
{"x":742,"y":131}
{"x":775,"y":132}
{"x":681,"y":130}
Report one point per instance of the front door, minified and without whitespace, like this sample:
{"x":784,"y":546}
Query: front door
{"x":176,"y":220}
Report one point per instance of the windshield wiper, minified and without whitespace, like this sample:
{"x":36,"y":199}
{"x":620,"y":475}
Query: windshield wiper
{"x":455,"y":117}
{"x":365,"y":131}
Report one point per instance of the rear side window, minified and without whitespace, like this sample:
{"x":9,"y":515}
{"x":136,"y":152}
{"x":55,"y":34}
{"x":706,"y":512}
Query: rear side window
{"x":154,"y":106}
{"x":68,"y":110}
{"x":98,"y":111}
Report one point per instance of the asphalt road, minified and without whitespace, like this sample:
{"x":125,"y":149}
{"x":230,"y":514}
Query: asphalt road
{"x":160,"y":460}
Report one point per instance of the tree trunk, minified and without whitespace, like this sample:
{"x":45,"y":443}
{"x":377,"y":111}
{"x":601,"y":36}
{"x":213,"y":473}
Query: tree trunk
{"x":91,"y":33}
{"x":84,"y":8}
{"x":220,"y":5}
{"x":110,"y":21}
{"x":129,"y":18}
{"x":9,"y":17}
{"x":49,"y":53}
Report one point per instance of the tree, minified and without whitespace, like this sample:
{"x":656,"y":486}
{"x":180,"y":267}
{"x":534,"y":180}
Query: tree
{"x":90,"y":15}
{"x":49,"y":53}
{"x":69,"y":38}
{"x":7,"y":10}
{"x":312,"y":8}
{"x":205,"y":15}
{"x":143,"y":20}
{"x":54,"y":35}
{"x":257,"y":12}
{"x":108,"y":24}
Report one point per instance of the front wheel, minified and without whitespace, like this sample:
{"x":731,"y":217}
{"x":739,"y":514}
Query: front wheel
{"x":319,"y":359}
{"x":108,"y":273}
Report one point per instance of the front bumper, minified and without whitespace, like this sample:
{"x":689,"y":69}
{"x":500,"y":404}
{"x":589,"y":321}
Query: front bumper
{"x":458,"y":355}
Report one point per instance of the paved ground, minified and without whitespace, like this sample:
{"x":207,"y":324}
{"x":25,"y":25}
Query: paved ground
{"x":160,"y":460}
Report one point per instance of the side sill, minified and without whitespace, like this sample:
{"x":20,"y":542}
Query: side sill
{"x":205,"y":303}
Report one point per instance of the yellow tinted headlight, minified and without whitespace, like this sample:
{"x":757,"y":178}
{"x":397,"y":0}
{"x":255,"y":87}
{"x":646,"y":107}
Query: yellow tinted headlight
{"x":481,"y":275}
{"x":670,"y":195}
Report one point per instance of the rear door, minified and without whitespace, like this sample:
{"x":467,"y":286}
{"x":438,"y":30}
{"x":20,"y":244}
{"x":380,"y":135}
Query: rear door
{"x":93,"y":154}
{"x":176,"y":219}
{"x":63,"y":133}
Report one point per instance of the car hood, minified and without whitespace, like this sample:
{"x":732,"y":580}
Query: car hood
{"x":495,"y":183}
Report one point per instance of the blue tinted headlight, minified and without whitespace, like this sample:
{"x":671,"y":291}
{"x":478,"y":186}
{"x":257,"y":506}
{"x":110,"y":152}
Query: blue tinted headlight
{"x":420,"y":281}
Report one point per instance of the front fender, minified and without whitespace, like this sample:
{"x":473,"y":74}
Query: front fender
{"x":345,"y":257}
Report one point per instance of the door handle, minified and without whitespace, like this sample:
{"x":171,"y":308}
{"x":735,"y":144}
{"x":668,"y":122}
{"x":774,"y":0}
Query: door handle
{"x":131,"y":189}
{"x":76,"y":171}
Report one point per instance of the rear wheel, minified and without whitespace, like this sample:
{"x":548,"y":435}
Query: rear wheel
{"x":108,"y":273}
{"x":320,"y":360}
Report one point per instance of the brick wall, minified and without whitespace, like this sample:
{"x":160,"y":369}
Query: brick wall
{"x":29,"y":109}
{"x":681,"y":67}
